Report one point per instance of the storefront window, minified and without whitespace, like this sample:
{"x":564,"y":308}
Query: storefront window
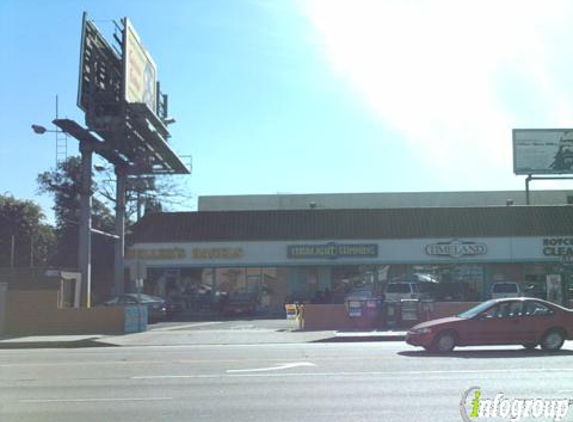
{"x":458,"y":282}
{"x":535,"y":280}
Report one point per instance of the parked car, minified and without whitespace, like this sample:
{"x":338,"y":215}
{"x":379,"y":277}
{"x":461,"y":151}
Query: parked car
{"x":360,"y":293}
{"x":174,"y":306}
{"x":237,"y":304}
{"x":156,"y":306}
{"x":506,"y":289}
{"x":396,"y":291}
{"x":525,"y":321}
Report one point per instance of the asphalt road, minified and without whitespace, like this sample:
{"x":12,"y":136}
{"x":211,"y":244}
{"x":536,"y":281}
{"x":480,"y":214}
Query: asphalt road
{"x":268,"y":382}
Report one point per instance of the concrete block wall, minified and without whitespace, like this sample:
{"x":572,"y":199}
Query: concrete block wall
{"x":35,"y":312}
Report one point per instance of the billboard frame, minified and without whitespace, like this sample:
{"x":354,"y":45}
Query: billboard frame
{"x":545,"y":155}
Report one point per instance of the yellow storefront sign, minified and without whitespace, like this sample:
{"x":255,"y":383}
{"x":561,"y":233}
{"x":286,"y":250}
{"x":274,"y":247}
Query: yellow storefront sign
{"x":157,"y":253}
{"x":217,"y":253}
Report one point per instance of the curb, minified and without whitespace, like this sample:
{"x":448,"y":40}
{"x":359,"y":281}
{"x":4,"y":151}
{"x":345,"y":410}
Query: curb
{"x":362,"y":337}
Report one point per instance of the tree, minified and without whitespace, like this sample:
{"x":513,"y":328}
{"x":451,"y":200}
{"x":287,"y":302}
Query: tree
{"x":64,"y":184}
{"x":146,"y":193}
{"x":25,"y":239}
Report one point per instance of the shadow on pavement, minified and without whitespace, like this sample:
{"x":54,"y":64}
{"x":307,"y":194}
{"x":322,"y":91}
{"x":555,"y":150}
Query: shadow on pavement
{"x":77,"y":344}
{"x":487,"y":354}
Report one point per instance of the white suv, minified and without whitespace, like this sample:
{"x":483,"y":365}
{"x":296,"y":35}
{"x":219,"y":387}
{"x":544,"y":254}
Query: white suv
{"x":397,"y":291}
{"x":506,"y":289}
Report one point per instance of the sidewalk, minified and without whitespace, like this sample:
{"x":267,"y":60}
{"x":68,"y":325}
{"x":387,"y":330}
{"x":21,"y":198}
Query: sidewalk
{"x":53,"y":342}
{"x":202,"y":333}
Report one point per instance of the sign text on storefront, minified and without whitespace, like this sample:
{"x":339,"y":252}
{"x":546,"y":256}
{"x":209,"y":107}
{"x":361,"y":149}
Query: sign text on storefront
{"x":558,"y":246}
{"x":332,"y":251}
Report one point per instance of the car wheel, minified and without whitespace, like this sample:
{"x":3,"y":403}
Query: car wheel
{"x":444,"y":342}
{"x":529,"y":346}
{"x":553,"y":340}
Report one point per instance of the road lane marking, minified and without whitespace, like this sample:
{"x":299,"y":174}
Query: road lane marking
{"x":159,"y":377}
{"x":272,"y":368}
{"x":347,"y":374}
{"x":185,"y":361}
{"x":102,"y":399}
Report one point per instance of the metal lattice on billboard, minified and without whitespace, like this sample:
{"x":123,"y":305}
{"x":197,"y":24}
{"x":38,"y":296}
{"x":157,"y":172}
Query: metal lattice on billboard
{"x":100,"y":82}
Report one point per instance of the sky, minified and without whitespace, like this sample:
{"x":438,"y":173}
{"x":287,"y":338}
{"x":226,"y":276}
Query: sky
{"x":307,"y":96}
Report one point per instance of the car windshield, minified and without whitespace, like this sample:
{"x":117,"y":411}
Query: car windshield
{"x":398,"y":288}
{"x":505,"y":288}
{"x":472,"y":312}
{"x":361,"y":293}
{"x":146,"y":298}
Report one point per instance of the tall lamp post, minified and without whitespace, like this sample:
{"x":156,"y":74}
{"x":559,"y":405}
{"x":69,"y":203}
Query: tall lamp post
{"x":88,"y":145}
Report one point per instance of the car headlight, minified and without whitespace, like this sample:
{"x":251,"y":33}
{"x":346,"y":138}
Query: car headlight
{"x":420,"y":331}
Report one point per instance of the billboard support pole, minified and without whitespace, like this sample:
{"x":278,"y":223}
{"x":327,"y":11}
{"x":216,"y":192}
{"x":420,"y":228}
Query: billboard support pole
{"x":527,"y":180}
{"x":118,"y":279}
{"x":85,"y":247}
{"x":530,"y":178}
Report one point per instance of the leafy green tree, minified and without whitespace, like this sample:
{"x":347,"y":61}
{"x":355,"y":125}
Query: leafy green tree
{"x":22,"y":225}
{"x":64,"y":184}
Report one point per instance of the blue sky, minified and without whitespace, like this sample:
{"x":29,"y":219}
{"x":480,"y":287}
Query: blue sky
{"x":313,"y":96}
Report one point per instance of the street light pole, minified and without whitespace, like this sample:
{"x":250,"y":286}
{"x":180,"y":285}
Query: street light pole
{"x":121,"y":181}
{"x":12,"y":252}
{"x":85,"y":246}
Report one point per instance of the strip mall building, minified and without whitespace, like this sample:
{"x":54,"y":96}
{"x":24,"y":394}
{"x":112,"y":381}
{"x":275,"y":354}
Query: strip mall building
{"x":296,"y":247}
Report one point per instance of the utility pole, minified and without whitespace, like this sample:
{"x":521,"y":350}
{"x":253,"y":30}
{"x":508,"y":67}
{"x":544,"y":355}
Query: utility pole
{"x":12,"y":251}
{"x":121,"y":181}
{"x":85,"y":246}
{"x":31,"y":250}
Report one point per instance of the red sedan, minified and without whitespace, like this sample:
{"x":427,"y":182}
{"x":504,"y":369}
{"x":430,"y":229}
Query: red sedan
{"x":526,"y":321}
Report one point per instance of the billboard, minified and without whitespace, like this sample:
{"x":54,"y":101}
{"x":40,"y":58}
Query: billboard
{"x":543,"y":151}
{"x":140,"y":72}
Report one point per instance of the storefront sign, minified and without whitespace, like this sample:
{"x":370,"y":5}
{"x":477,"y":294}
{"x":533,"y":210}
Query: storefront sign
{"x":558,"y":246}
{"x":217,"y":253}
{"x":332,"y":251}
{"x":157,"y":253}
{"x":456,"y":249}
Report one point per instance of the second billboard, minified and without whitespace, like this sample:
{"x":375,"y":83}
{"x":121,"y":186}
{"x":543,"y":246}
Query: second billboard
{"x":543,"y":151}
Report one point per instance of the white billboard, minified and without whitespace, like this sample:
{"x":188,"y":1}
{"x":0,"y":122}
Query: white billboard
{"x":140,"y":72}
{"x":543,"y":151}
